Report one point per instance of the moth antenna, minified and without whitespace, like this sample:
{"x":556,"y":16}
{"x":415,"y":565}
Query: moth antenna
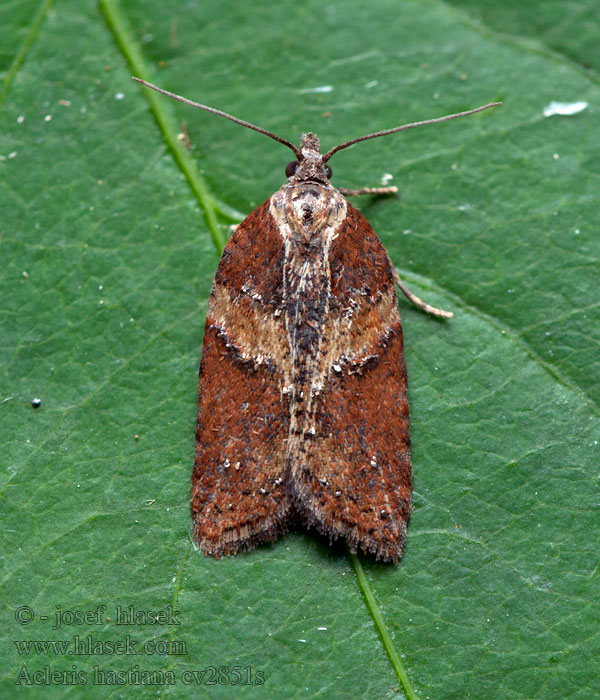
{"x":328,"y":155}
{"x":222,"y":114}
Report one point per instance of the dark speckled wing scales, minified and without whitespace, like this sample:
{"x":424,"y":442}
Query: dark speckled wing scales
{"x":238,"y":495}
{"x":302,"y":395}
{"x":353,"y":476}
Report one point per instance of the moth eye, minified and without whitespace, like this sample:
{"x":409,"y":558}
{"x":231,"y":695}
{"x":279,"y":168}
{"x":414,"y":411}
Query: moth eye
{"x":328,"y":172}
{"x":291,"y":168}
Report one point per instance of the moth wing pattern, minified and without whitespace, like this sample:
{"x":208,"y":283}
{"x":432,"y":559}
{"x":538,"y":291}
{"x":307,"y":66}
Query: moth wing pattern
{"x":352,"y":477}
{"x":238,"y":497}
{"x":302,"y":409}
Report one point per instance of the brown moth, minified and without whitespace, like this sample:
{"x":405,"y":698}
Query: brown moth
{"x":302,"y":409}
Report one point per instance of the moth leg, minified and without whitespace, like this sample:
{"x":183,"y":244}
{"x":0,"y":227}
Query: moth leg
{"x":419,"y":303}
{"x":349,"y":192}
{"x":413,"y":298}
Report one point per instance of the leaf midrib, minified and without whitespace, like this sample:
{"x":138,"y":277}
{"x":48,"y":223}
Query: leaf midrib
{"x":21,"y":54}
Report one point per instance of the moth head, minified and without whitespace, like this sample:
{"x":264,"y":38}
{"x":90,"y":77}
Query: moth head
{"x":310,"y":164}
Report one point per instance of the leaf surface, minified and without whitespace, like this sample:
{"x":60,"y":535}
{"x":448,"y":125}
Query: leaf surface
{"x":107,"y":261}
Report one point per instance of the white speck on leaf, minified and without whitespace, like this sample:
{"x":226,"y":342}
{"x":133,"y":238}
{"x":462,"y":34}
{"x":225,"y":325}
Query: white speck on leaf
{"x":564,"y":109}
{"x":322,"y":88}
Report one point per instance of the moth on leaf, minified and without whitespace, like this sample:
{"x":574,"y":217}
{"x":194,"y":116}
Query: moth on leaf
{"x":302,"y":408}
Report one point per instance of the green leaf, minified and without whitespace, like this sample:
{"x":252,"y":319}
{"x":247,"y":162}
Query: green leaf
{"x":107,"y":258}
{"x":567,"y":28}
